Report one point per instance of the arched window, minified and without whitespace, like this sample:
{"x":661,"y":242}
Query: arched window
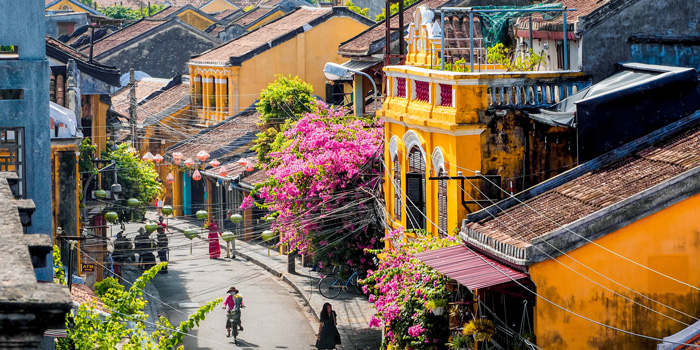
{"x":415,"y":190}
{"x":397,"y":189}
{"x":442,"y":204}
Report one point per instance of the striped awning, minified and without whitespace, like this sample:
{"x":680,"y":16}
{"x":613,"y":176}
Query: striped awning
{"x":469,"y":268}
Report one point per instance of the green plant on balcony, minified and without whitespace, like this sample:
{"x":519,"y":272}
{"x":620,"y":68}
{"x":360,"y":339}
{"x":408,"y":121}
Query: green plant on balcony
{"x":481,"y":329}
{"x":501,"y":55}
{"x":458,"y":66}
{"x":460,"y":342}
{"x":212,"y":101}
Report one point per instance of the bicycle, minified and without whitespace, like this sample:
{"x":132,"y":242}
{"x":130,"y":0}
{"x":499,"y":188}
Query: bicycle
{"x":331,"y":285}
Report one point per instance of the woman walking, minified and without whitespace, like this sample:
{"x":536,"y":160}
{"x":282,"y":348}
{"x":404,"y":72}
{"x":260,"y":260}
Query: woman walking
{"x":328,"y":335}
{"x":214,"y":248}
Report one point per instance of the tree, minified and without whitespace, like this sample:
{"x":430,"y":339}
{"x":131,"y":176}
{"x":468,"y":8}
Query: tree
{"x":87,"y":329}
{"x":394,"y":8}
{"x":123,"y":12}
{"x":357,"y":9}
{"x":323,"y":171}
{"x":286,"y":98}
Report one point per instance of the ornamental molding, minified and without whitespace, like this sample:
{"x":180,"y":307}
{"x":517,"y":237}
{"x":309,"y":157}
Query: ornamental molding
{"x":394,"y":147}
{"x":438,"y":160}
{"x":411,"y":139}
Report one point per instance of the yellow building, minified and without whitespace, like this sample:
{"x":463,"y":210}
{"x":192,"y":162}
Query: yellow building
{"x":69,"y":6}
{"x":229,"y":78}
{"x":214,"y":6}
{"x":188,"y":14}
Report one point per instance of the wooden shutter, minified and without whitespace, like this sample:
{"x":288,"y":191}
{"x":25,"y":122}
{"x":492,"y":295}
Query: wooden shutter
{"x":397,"y":189}
{"x":415,"y":190}
{"x":442,"y":206}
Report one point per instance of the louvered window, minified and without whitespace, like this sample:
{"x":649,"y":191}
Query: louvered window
{"x":415,"y":190}
{"x":442,"y":206}
{"x":397,"y":189}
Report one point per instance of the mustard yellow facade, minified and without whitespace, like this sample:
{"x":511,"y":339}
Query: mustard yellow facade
{"x":65,"y":5}
{"x":222,"y":91}
{"x":215,"y":6}
{"x":195,"y":19}
{"x":269,"y":18}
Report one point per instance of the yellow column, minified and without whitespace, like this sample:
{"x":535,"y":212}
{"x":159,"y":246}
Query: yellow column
{"x":177,"y":194}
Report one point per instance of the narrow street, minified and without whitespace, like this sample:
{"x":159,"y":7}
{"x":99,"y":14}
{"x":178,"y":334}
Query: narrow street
{"x":272,"y":319}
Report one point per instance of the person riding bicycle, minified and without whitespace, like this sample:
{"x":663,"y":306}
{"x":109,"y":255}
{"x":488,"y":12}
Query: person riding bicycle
{"x":234,"y":303}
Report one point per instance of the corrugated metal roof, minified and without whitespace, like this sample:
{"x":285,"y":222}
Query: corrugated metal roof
{"x":468,"y":268}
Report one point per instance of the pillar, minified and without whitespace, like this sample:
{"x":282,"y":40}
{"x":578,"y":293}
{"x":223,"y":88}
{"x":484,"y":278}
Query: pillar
{"x":358,"y":95}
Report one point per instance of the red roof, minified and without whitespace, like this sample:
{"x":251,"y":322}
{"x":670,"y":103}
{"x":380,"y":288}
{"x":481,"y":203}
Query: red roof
{"x":120,"y":37}
{"x":82,"y":294}
{"x":252,"y":16}
{"x":120,"y":100}
{"x":469,"y":268}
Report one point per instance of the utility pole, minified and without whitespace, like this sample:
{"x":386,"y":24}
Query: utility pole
{"x":132,"y":106}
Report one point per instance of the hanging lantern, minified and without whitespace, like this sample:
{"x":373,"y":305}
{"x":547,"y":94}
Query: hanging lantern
{"x":242,"y":162}
{"x":151,"y":226}
{"x":191,"y":233}
{"x":202,"y":214}
{"x":228,"y":236}
{"x":170,"y":178}
{"x":196,"y":176}
{"x":166,"y":210}
{"x":270,"y":219}
{"x":132,"y":202}
{"x":202,"y":156}
{"x":236,"y":218}
{"x":147,"y":157}
{"x":214,"y":163}
{"x":111,"y":217}
{"x":177,"y":157}
{"x":158,"y":158}
{"x":267,"y":235}
{"x":189,"y":162}
{"x":223,"y":172}
{"x":248,"y":166}
{"x":99,"y":194}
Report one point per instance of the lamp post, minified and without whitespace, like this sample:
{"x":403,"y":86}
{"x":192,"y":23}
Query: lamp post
{"x":334,"y":71}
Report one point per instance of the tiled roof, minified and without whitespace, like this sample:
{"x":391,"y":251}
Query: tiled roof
{"x":263,"y":35}
{"x":117,"y":38}
{"x":144,"y":3}
{"x":65,"y":48}
{"x":252,"y":16}
{"x":361,"y":44}
{"x":233,"y":168}
{"x":120,"y":100}
{"x":593,"y":191}
{"x":166,"y":12}
{"x":254,"y":178}
{"x":215,"y":30}
{"x":162,"y":102}
{"x":583,"y":8}
{"x":223,"y":14}
{"x":223,"y":139}
{"x":63,"y":53}
{"x":82,"y":294}
{"x":693,"y":341}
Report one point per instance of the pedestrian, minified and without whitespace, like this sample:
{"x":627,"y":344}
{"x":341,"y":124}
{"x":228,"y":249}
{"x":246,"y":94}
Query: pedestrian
{"x":159,"y":204}
{"x":162,"y":242}
{"x":144,"y":247}
{"x":214,"y":247}
{"x":234,"y":303}
{"x":328,"y":335}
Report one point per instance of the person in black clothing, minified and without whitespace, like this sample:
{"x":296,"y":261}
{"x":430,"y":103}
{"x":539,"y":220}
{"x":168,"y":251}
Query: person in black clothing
{"x":144,"y":246}
{"x":123,"y":249}
{"x":328,"y":335}
{"x":162,"y":241}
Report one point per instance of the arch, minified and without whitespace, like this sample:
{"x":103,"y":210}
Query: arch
{"x":412,"y":139}
{"x":438,"y":160}
{"x":394,"y":147}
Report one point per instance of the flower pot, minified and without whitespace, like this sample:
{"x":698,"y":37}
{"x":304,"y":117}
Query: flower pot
{"x":438,"y":311}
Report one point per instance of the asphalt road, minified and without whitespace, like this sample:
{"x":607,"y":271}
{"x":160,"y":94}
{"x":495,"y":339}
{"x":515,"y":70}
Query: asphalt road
{"x":273,"y":317}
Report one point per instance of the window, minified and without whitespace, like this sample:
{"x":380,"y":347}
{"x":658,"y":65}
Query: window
{"x":415,"y":190}
{"x":442,"y":205}
{"x":12,"y":154}
{"x":397,"y":189}
{"x":560,"y":52}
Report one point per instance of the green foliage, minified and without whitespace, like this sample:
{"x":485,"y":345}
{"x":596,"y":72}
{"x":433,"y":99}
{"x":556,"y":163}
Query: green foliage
{"x":394,"y":9}
{"x":89,"y":3}
{"x":139,"y":179}
{"x":87,"y":329}
{"x":104,"y":286}
{"x":248,"y":8}
{"x":460,"y":341}
{"x":123,"y":12}
{"x":499,"y":54}
{"x":459,"y":66}
{"x":354,"y":8}
{"x":87,"y":154}
{"x":58,"y":266}
{"x":7,"y":48}
{"x":286,"y":98}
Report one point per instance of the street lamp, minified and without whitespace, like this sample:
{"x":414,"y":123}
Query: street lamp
{"x":334,"y":71}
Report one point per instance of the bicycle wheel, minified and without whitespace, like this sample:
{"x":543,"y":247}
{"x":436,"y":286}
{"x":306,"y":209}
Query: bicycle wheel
{"x":355,"y":283}
{"x":330,"y":287}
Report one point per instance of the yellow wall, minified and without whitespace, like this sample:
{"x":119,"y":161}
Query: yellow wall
{"x":62,"y":4}
{"x":667,"y":241}
{"x":99,"y":124}
{"x":195,"y":19}
{"x":303,"y":56}
{"x":218,"y":6}
{"x":267,"y":20}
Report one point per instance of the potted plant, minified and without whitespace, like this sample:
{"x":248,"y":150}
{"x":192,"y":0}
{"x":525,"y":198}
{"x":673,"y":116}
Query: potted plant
{"x":460,"y":342}
{"x":481,"y":329}
{"x":436,"y":306}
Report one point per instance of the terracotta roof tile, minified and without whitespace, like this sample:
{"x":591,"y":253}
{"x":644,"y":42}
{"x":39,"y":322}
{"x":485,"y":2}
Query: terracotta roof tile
{"x":122,"y":36}
{"x":65,"y":48}
{"x":254,"y":178}
{"x":223,"y":14}
{"x":225,"y":138}
{"x":583,"y":8}
{"x":82,"y":294}
{"x":263,"y":35}
{"x":593,"y":191}
{"x":251,"y":16}
{"x":166,"y":12}
{"x":144,"y":3}
{"x":162,"y":101}
{"x":120,"y":100}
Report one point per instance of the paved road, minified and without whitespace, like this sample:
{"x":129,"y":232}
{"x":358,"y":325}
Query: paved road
{"x":273,"y":317}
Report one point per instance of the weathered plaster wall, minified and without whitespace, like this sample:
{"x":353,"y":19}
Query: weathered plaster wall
{"x":52,"y":21}
{"x":667,"y":241}
{"x":195,"y":19}
{"x":607,"y":43}
{"x":164,"y":54}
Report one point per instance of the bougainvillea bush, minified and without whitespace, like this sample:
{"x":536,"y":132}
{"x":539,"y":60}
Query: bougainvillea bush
{"x":400,"y":288}
{"x":323,"y":177}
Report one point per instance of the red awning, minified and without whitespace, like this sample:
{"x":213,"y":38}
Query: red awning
{"x":468,"y":268}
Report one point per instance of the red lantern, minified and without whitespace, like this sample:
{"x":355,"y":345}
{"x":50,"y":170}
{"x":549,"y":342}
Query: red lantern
{"x":158,"y":158}
{"x":170,"y":178}
{"x":203,"y":155}
{"x":214,"y":163}
{"x":177,"y":157}
{"x":189,"y":162}
{"x":248,"y":166}
{"x":242,"y":162}
{"x":147,"y":157}
{"x":196,"y":176}
{"x":223,"y":172}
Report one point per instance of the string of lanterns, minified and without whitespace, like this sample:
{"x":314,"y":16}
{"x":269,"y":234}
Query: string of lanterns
{"x":245,"y":163}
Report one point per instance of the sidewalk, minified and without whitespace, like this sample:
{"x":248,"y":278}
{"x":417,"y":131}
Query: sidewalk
{"x":353,"y":310}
